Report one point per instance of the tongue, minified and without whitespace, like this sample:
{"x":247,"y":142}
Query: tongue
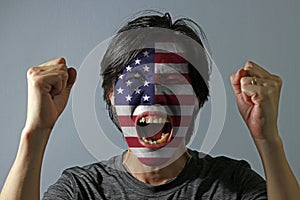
{"x":150,"y":131}
{"x":153,"y":132}
{"x":155,"y":137}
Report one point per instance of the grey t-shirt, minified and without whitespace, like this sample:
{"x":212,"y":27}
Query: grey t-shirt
{"x":204,"y":177}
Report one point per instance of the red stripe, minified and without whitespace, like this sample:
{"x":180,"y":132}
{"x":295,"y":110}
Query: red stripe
{"x":177,"y":120}
{"x":169,"y":58}
{"x":174,"y":100}
{"x":134,"y":142}
{"x":172,"y":78}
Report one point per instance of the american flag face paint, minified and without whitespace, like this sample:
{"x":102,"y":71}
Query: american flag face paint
{"x":155,"y":103}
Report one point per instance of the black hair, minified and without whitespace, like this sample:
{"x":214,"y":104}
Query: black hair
{"x":129,"y":40}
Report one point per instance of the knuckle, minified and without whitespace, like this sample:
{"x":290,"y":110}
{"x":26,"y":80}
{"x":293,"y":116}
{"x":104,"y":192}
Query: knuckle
{"x":32,"y":71}
{"x":249,"y":64}
{"x":61,"y":60}
{"x":61,"y":67}
{"x":243,"y":80}
{"x":277,"y":81}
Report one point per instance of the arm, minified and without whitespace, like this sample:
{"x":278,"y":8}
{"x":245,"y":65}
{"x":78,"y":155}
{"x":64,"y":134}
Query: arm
{"x":49,"y":86}
{"x":257,"y":99}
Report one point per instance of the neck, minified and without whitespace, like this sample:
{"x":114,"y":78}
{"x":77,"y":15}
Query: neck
{"x":154,"y":175}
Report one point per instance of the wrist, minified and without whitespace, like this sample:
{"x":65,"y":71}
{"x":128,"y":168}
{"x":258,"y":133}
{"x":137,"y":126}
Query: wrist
{"x":30,"y":131}
{"x":266,"y":135}
{"x":271,"y":148}
{"x":34,"y":139}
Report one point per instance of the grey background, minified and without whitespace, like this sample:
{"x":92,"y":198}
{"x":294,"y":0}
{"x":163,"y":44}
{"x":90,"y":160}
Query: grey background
{"x":33,"y":31}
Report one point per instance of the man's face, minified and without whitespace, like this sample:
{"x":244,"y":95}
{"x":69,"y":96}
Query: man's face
{"x":155,"y":103}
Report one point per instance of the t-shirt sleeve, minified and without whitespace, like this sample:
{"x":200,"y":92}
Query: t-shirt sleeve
{"x":252,"y":185}
{"x":61,"y":190}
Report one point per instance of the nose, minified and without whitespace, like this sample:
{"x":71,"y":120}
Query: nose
{"x":160,"y":95}
{"x":164,"y":96}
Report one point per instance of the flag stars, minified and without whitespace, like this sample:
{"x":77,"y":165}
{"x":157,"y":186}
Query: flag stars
{"x":146,"y":53}
{"x":146,"y":83}
{"x":137,"y":75}
{"x":121,"y":76}
{"x":128,"y":97}
{"x":137,"y":90}
{"x":128,"y":68}
{"x":120,"y":90}
{"x":137,"y":61}
{"x":146,"y":97}
{"x":128,"y":83}
{"x":146,"y":68}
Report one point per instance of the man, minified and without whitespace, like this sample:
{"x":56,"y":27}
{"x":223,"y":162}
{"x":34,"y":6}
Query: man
{"x":140,"y":71}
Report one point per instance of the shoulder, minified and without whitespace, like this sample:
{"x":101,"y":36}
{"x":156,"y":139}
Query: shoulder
{"x":94,"y":170}
{"x":83,"y":182}
{"x":221,"y":162}
{"x":225,"y":168}
{"x":229,"y":174}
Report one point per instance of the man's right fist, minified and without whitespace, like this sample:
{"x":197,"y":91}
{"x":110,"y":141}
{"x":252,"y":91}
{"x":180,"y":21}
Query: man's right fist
{"x":49,"y":87}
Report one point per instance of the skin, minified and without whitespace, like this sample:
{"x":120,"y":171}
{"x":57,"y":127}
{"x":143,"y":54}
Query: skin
{"x":49,"y":86}
{"x":155,"y":175}
{"x":258,"y":106}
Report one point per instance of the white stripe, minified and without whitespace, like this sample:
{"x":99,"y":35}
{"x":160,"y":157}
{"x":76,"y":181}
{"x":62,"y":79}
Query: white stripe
{"x":175,"y":89}
{"x":130,"y":131}
{"x":167,"y":46}
{"x":124,"y":110}
{"x":171,"y":68}
{"x":165,"y":152}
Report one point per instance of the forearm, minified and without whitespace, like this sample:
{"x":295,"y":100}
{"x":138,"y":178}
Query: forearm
{"x":23,"y":181}
{"x":281,"y":182}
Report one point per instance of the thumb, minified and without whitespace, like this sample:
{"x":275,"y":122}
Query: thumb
{"x":72,"y":78}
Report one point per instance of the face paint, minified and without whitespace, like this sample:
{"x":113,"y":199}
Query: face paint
{"x":155,"y":103}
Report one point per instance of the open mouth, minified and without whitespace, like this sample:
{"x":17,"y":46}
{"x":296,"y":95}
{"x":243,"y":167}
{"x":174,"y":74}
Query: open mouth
{"x":154,"y":129}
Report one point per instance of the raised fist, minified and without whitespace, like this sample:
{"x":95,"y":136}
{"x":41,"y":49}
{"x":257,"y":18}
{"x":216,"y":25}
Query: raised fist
{"x":49,"y":86}
{"x":257,"y":93}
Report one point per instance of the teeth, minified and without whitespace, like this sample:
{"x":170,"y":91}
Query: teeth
{"x":142,"y":120}
{"x":162,"y":139}
{"x":144,"y":139}
{"x":149,"y":120}
{"x":155,"y":120}
{"x":160,"y":120}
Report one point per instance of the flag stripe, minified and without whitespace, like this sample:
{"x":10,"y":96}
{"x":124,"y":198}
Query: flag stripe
{"x":172,"y":78}
{"x":148,"y":153}
{"x":134,"y":142}
{"x":177,"y":120}
{"x":123,"y":110}
{"x":169,"y":47}
{"x":130,"y":131}
{"x":175,"y":99}
{"x":168,"y":58}
{"x":163,"y":97}
{"x":177,"y":89}
{"x":175,"y":68}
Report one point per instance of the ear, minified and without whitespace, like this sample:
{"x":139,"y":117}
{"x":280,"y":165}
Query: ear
{"x":112,"y":97}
